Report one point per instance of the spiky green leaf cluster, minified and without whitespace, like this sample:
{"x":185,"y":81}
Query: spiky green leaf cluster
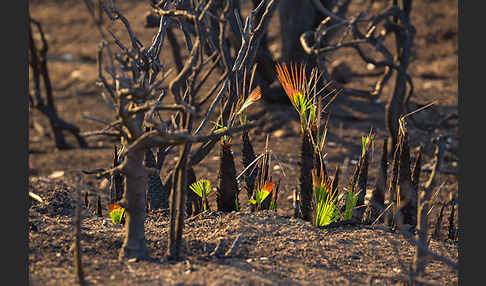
{"x":260,"y":196}
{"x":117,"y":215}
{"x":306,"y":108}
{"x":327,"y":210}
{"x":202,"y":188}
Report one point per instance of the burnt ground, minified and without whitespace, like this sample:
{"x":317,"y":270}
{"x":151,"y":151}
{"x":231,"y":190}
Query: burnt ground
{"x":276,"y":248}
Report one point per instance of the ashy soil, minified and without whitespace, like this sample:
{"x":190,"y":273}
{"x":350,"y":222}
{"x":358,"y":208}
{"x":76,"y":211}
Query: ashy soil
{"x":275,"y":248}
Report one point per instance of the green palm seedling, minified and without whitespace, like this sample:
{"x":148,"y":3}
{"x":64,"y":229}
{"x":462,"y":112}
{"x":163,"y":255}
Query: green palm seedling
{"x":300,"y":92}
{"x":326,"y":200}
{"x":261,"y":194}
{"x":202,"y":188}
{"x":117,"y":213}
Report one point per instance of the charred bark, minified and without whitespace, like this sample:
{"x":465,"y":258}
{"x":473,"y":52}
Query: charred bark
{"x":404,"y":36}
{"x":359,"y":210}
{"x":116,"y":180}
{"x":227,"y":193}
{"x":377,"y":198}
{"x":405,"y":189}
{"x":305,"y":179}
{"x":177,"y":206}
{"x":248,"y":156}
{"x":155,"y":190}
{"x":134,"y":202}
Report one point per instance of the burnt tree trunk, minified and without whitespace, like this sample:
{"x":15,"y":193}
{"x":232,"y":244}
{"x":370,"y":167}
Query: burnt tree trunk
{"x":296,"y":17}
{"x":263,"y":58}
{"x":116,"y":180}
{"x":134,"y":202}
{"x":155,"y":190}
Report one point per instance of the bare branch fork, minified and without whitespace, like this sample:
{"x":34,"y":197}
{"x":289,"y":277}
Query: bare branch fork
{"x":38,"y":66}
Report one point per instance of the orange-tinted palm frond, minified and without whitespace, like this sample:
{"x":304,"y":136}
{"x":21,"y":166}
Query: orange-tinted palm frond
{"x":268,"y":186}
{"x":113,"y":206}
{"x":292,"y":82}
{"x":254,"y":96}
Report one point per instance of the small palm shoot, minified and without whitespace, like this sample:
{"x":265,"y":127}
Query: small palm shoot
{"x":325,"y":196}
{"x":261,"y":194}
{"x":117,"y":213}
{"x":242,"y":106}
{"x":326,"y":200}
{"x":202,"y":188}
{"x":300,"y":91}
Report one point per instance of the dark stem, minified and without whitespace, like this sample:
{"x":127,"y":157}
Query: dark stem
{"x":307,"y":162}
{"x":227,"y":193}
{"x":248,"y":156}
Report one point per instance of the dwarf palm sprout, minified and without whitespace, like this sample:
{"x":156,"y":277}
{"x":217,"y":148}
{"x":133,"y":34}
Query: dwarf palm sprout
{"x":247,"y":151}
{"x":261,"y":194}
{"x":299,"y":91}
{"x":117,"y":213}
{"x":202,"y":188}
{"x":326,"y":200}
